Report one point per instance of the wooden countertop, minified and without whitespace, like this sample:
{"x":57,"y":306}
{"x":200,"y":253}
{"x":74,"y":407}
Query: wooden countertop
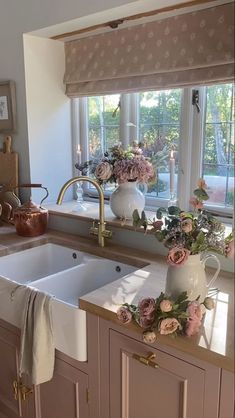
{"x":214,"y":343}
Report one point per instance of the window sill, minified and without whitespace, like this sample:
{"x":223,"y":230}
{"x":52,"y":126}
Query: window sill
{"x":91,"y":213}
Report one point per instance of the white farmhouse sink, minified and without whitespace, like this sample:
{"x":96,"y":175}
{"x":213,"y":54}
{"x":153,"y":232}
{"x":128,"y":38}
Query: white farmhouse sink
{"x":64,"y":273}
{"x":33,"y":264}
{"x":69,"y":322}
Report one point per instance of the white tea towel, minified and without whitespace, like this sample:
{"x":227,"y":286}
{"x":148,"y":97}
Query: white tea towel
{"x":37,"y":351}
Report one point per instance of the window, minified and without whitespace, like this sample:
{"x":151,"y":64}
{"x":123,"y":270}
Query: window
{"x":165,"y":121}
{"x":218,"y":144}
{"x":103,"y":124}
{"x":159,"y":130}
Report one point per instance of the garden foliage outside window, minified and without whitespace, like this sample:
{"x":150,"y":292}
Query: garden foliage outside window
{"x":158,"y":123}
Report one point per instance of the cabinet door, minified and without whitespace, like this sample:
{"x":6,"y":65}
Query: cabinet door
{"x":9,"y":349}
{"x":65,"y":396}
{"x":175,"y":389}
{"x":227,"y":400}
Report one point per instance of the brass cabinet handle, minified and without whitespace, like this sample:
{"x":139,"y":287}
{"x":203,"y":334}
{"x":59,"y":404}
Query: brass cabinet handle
{"x":25,"y":391}
{"x":147,"y":361}
{"x":15,"y":390}
{"x":20,"y":390}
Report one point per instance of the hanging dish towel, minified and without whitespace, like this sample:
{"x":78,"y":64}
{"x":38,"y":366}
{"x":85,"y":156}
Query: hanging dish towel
{"x":37,"y":351}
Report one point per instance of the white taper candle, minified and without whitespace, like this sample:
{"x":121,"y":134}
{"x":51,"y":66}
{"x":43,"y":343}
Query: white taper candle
{"x":172,"y":173}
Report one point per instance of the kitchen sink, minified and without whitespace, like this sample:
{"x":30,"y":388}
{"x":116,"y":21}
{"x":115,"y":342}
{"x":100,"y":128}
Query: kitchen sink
{"x":37,"y":262}
{"x":66,"y":275}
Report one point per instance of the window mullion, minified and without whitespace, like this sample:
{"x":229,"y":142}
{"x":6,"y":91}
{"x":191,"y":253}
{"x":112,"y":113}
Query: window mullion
{"x":124,"y":119}
{"x":197,"y":138}
{"x":185,"y":149}
{"x":83,"y":133}
{"x":134,"y":117}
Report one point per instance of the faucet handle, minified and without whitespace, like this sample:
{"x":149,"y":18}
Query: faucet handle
{"x":107,"y":233}
{"x":93,"y":230}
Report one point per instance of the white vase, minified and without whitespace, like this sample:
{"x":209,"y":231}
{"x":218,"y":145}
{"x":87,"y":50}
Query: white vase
{"x":190,"y":277}
{"x":125,"y":199}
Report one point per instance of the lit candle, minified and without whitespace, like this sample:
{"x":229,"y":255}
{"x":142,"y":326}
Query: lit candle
{"x":172,"y":173}
{"x":79,"y":155}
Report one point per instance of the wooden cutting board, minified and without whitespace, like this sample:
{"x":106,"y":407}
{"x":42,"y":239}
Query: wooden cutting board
{"x":8,"y":165}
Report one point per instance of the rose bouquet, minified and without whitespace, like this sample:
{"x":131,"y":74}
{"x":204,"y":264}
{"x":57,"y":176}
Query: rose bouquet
{"x":188,"y":233}
{"x":165,"y":315}
{"x":120,"y":166}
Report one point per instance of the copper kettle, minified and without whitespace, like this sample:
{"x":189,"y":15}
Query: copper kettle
{"x":30,"y":219}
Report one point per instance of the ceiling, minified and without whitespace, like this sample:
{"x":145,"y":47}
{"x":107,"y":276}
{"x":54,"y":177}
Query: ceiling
{"x":83,"y":26}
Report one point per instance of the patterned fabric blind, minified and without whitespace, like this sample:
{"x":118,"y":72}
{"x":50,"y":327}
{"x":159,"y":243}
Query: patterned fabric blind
{"x":189,"y":49}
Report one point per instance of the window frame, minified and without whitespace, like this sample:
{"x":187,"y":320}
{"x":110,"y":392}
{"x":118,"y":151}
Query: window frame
{"x":191,"y":144}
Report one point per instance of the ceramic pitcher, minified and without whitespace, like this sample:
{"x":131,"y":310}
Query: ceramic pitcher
{"x":191,"y":277}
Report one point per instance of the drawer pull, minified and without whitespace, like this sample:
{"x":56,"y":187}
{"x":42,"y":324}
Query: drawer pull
{"x":147,"y":361}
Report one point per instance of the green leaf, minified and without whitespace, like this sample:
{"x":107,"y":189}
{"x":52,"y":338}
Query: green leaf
{"x":136,"y":218}
{"x":182,"y":297}
{"x":159,"y":235}
{"x":160,"y":213}
{"x":201,"y":194}
{"x":143,"y":216}
{"x":199,"y":244}
{"x":187,"y":215}
{"x":183,"y":315}
{"x":174,"y":210}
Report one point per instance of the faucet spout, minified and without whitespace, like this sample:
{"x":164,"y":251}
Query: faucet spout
{"x":100,"y":231}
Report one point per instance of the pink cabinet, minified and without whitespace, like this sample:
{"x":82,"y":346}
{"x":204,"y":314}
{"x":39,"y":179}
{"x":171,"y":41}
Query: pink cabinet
{"x":227,"y":404}
{"x":148,"y":382}
{"x":65,"y":396}
{"x":10,"y":403}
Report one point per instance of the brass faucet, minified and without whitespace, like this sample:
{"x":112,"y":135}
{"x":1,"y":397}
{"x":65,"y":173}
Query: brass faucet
{"x":100,"y":231}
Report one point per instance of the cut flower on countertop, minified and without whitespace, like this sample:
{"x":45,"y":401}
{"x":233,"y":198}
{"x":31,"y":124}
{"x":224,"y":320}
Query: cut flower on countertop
{"x":166,"y":316}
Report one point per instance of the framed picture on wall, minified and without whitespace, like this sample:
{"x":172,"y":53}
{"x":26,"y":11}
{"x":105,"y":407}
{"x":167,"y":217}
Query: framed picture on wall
{"x":7,"y":107}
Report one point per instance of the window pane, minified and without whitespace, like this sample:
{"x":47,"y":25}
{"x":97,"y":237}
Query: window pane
{"x":103,"y":123}
{"x":218,"y":151}
{"x":160,"y":133}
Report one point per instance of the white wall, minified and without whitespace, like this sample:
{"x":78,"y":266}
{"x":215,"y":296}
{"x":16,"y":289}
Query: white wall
{"x":48,"y":111}
{"x":17,"y":18}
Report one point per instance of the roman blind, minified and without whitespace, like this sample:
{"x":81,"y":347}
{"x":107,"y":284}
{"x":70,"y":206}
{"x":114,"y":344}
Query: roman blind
{"x":189,"y":49}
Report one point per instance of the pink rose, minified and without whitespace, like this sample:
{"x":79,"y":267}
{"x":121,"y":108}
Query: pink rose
{"x":146,"y":306}
{"x":193,"y":323}
{"x":209,"y":303}
{"x":146,"y":321}
{"x":187,"y":225}
{"x":229,"y":249}
{"x":166,"y":305}
{"x":192,"y":327}
{"x":196,"y":204}
{"x":104,"y":171}
{"x":201,"y":184}
{"x":194,"y":310}
{"x":168,"y":326}
{"x":157,"y":225}
{"x":149,"y":337}
{"x":124,"y":315}
{"x":177,"y":256}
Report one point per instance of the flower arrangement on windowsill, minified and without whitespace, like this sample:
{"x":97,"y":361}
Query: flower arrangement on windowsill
{"x":166,"y":316}
{"x":188,"y":233}
{"x":126,"y":168}
{"x":120,"y":166}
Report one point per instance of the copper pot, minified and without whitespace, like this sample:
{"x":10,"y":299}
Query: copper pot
{"x":30,"y":219}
